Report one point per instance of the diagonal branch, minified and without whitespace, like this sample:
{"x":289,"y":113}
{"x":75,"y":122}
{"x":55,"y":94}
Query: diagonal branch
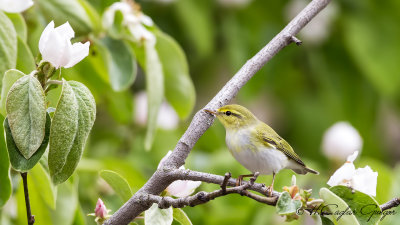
{"x":202,"y":121}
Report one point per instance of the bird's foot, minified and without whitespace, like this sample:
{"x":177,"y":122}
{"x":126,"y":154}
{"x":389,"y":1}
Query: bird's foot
{"x":239,"y":180}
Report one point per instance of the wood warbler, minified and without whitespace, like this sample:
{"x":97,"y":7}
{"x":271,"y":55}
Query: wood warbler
{"x":256,"y":145}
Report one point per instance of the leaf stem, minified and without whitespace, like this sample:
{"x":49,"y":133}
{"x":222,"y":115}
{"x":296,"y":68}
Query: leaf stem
{"x":31,"y":218}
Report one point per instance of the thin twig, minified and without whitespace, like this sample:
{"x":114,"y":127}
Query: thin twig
{"x":225,"y":182}
{"x":31,"y":218}
{"x":202,"y":121}
{"x":297,"y":41}
{"x":390,"y":204}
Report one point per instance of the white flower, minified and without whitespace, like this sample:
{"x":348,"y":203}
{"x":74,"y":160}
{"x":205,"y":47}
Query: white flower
{"x":361,"y":179}
{"x":180,"y":188}
{"x":318,"y":29}
{"x":167,"y":118}
{"x":341,"y":140}
{"x":15,"y":6}
{"x":56,"y":48}
{"x":133,"y":19}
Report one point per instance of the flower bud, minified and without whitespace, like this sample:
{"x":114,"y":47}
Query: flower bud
{"x":341,"y":140}
{"x":101,"y":210}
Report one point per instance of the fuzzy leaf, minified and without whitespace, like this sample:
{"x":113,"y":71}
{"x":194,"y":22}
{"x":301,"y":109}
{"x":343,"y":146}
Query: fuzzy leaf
{"x":157,"y":216}
{"x":18,"y":161}
{"x":72,"y":122}
{"x":286,"y":205}
{"x":9,"y":79}
{"x":117,"y":183}
{"x":8,"y":45}
{"x":26,"y":112}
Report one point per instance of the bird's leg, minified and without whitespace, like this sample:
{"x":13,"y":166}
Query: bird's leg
{"x":271,"y":188}
{"x":240,"y":178}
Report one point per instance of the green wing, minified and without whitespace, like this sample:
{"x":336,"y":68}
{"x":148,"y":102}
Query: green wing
{"x":270,"y":138}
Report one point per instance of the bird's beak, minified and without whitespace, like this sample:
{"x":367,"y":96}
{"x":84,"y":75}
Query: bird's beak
{"x":211,"y":111}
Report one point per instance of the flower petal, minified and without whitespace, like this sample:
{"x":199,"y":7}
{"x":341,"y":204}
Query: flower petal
{"x":352,"y":157}
{"x":45,"y":36}
{"x":54,"y":50}
{"x":78,"y":52}
{"x":182,"y":188}
{"x":365,"y":180}
{"x":15,"y":6}
{"x":343,"y":175}
{"x":65,"y":31}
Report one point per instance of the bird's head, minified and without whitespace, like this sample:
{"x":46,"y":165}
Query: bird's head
{"x":234,"y":116}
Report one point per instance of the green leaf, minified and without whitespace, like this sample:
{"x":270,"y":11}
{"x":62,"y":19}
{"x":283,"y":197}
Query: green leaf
{"x":8,"y":45}
{"x":366,"y":207}
{"x":326,"y":221}
{"x":42,"y":181}
{"x":25,"y":60}
{"x":157,"y":216}
{"x":5,"y":180}
{"x":118,"y":184}
{"x":117,"y":28}
{"x":154,"y":89}
{"x":18,"y":161}
{"x":179,"y":89}
{"x":195,"y":17}
{"x":286,"y":205}
{"x":9,"y":79}
{"x":66,"y":205}
{"x":120,"y":63}
{"x":19,"y":25}
{"x":93,"y":15}
{"x":181,"y":217}
{"x":62,"y":11}
{"x":362,"y":32}
{"x":336,"y":205}
{"x":72,"y":122}
{"x":39,"y":208}
{"x":26,"y":112}
{"x":79,"y":218}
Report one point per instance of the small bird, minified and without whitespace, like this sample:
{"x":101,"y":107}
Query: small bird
{"x":256,"y":145}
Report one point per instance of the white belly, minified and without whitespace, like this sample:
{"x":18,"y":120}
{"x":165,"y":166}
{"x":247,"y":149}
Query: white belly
{"x":263,"y":160}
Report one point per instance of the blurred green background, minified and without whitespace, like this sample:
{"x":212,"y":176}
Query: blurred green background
{"x":346,"y":70}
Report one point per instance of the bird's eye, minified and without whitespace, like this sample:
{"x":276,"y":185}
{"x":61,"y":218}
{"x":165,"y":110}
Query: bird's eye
{"x":228,"y":113}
